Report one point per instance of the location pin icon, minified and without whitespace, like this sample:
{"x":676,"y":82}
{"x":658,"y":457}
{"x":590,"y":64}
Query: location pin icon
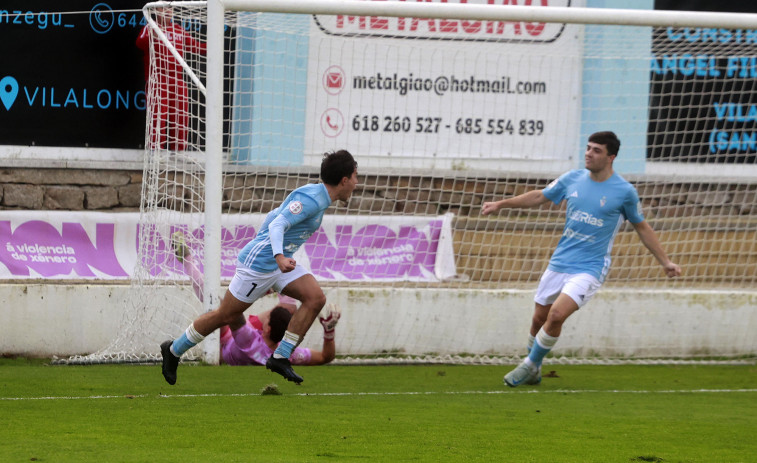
{"x":8,"y":91}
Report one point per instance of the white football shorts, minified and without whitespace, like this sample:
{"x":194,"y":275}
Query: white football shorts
{"x":247,"y":285}
{"x":581,"y":287}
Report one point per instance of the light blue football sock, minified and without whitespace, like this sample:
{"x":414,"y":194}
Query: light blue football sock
{"x":186,"y":341}
{"x":286,"y":346}
{"x":542,"y":345}
{"x":537,"y":353}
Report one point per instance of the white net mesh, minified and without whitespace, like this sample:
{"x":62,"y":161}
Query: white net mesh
{"x":443,"y":115}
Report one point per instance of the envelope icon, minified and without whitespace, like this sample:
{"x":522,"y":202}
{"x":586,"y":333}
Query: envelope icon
{"x":334,"y":80}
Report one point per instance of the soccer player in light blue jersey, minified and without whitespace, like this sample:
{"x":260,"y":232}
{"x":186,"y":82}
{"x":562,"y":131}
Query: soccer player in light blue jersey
{"x":599,"y":201}
{"x":266,"y":263}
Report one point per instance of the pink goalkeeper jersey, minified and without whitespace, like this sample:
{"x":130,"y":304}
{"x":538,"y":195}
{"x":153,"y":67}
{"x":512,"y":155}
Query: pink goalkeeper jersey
{"x":257,"y":352}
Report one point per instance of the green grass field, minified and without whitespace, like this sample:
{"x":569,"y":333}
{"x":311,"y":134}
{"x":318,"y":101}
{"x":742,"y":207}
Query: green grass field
{"x":434,"y":413}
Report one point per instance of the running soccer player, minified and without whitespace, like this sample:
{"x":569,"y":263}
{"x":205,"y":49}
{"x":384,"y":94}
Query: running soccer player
{"x":254,"y":341}
{"x":266,"y":263}
{"x":599,"y":201}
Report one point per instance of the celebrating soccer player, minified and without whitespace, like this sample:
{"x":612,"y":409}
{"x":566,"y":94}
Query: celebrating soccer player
{"x":266,"y":263}
{"x":254,"y":341}
{"x":598,"y":202}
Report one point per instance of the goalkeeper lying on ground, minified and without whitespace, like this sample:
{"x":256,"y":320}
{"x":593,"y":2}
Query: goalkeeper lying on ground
{"x":255,"y":341}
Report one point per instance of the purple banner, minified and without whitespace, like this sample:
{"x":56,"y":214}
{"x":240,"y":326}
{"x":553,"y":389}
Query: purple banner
{"x":81,"y":245}
{"x":38,"y":248}
{"x":374,"y":252}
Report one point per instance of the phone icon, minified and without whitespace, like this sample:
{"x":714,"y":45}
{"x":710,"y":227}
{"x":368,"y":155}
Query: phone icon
{"x":332,"y":122}
{"x":100,"y":21}
{"x":101,"y":18}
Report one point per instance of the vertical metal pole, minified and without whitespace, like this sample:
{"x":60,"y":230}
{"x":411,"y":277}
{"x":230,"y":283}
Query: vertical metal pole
{"x":213,"y":170}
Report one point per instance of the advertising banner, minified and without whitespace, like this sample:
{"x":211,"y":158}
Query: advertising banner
{"x":703,"y":87}
{"x":450,"y":92}
{"x":92,"y":245}
{"x":72,"y":75}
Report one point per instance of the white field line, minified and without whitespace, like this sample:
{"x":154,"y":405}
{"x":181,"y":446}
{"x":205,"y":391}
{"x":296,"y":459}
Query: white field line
{"x":408,"y":393}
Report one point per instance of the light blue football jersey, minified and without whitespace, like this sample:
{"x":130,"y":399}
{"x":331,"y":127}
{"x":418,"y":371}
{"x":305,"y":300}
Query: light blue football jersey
{"x":302,"y":211}
{"x":594,"y":215}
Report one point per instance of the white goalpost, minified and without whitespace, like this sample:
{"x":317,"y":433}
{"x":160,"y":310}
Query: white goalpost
{"x":446,"y":106}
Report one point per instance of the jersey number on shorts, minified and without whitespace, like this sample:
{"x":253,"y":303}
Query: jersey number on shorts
{"x":254,"y":285}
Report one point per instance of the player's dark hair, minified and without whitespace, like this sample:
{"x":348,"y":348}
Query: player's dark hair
{"x":278,"y":322}
{"x":609,"y":139}
{"x":336,"y":165}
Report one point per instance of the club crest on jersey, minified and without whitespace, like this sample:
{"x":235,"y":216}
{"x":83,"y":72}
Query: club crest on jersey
{"x":603,"y":201}
{"x":295,"y":207}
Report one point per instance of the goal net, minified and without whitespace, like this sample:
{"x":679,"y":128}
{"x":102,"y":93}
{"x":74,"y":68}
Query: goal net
{"x":445,"y":107}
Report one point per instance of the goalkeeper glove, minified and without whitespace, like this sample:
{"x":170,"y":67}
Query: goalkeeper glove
{"x":329,"y":318}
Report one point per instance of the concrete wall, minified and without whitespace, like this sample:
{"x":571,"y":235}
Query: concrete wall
{"x":60,"y":320}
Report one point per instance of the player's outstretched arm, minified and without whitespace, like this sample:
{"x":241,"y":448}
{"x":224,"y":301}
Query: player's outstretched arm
{"x":532,"y":198}
{"x":322,"y":357}
{"x":649,"y":239}
{"x":328,"y":319}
